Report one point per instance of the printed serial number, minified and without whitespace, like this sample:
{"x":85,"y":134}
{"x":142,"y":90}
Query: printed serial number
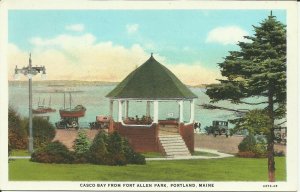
{"x":270,"y":185}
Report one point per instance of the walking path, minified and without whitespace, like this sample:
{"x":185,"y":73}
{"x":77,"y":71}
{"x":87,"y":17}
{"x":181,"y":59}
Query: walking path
{"x":220,"y":155}
{"x":19,"y":157}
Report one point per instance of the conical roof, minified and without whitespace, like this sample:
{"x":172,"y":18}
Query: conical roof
{"x":151,"y":80}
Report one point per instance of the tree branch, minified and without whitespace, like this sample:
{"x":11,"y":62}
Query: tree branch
{"x":281,"y":123}
{"x":248,"y":103}
{"x":209,"y":106}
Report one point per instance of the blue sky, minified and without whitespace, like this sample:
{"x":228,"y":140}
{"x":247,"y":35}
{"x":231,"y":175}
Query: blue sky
{"x":199,"y":38}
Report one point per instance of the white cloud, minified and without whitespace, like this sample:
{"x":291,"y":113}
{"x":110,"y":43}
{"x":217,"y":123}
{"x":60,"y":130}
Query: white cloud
{"x":68,"y":57}
{"x":75,"y":27}
{"x":132,"y":28}
{"x":195,"y":73}
{"x":64,"y":41}
{"x":226,"y":35}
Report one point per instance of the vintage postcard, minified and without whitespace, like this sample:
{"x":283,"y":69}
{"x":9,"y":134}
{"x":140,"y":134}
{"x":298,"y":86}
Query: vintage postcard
{"x":149,"y":96}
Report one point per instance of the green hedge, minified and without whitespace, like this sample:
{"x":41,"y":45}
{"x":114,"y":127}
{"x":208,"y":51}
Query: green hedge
{"x":111,"y":149}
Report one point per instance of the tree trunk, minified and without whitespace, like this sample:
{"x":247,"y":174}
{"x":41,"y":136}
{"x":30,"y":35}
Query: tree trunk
{"x":271,"y":162}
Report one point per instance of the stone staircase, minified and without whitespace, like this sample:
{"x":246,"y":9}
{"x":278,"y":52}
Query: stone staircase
{"x":173,"y":145}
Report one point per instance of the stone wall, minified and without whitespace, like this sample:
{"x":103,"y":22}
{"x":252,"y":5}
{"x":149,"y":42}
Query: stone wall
{"x":187,"y":134}
{"x":142,"y":139}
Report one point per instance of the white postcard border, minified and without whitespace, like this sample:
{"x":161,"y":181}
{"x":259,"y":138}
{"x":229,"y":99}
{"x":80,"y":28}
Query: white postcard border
{"x":292,"y":105}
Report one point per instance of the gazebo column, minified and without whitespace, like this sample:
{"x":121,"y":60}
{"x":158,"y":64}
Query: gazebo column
{"x":192,"y":111}
{"x":155,"y":114}
{"x":120,"y":102}
{"x":148,"y":109}
{"x":126,"y":108}
{"x":180,"y":111}
{"x":111,"y":108}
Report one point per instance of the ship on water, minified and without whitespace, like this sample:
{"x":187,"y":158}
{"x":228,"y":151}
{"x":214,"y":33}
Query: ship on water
{"x":69,"y":116}
{"x":42,"y":108}
{"x":77,"y":111}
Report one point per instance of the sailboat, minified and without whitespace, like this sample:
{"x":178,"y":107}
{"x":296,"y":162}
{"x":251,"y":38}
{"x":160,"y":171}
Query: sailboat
{"x":77,"y":111}
{"x":42,"y":108}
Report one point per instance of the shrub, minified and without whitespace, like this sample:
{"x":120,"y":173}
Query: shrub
{"x":105,"y":150}
{"x":246,"y":154}
{"x":131,"y":156}
{"x":247,"y":144}
{"x":252,"y":146}
{"x":279,"y":153}
{"x":81,"y":143}
{"x":115,"y":147}
{"x":43,"y":131}
{"x":17,"y":134}
{"x":54,"y":152}
{"x":112,"y":149}
{"x":98,"y":153}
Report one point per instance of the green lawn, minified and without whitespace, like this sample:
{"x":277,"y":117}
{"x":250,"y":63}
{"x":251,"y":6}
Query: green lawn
{"x":20,"y":153}
{"x":227,"y":169}
{"x":152,"y":155}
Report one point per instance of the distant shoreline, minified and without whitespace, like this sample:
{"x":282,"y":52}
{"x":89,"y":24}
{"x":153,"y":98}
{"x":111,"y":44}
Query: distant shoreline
{"x":66,"y":83}
{"x":63,"y":83}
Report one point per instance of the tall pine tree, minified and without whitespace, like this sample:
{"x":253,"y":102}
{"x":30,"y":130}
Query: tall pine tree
{"x":258,"y":69}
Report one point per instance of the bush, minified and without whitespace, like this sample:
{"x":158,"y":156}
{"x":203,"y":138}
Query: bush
{"x":113,"y":150}
{"x":247,"y":144}
{"x":17,"y":134}
{"x":252,"y":146}
{"x":131,"y":156}
{"x":81,"y":143}
{"x":246,"y":154}
{"x":279,"y":153}
{"x":54,"y":152}
{"x":43,"y":131}
{"x":105,"y":150}
{"x":115,"y":147}
{"x":98,"y":153}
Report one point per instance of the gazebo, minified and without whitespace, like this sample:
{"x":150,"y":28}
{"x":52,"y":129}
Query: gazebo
{"x":153,"y":83}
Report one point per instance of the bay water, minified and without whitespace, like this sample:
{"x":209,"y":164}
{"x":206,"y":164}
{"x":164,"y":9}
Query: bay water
{"x":93,"y":98}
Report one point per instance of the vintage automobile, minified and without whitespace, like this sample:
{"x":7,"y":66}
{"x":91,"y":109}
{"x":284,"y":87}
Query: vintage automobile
{"x":67,"y":122}
{"x":218,"y":128}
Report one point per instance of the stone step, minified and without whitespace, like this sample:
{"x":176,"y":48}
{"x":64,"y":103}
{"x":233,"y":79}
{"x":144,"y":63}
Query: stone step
{"x":170,"y":151}
{"x":164,"y":143}
{"x":168,"y":133}
{"x":175,"y":137}
{"x":174,"y":145}
{"x":170,"y":136}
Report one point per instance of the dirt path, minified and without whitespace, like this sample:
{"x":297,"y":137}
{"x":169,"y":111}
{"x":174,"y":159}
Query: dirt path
{"x":225,"y":145}
{"x":67,"y":136}
{"x":219,"y":143}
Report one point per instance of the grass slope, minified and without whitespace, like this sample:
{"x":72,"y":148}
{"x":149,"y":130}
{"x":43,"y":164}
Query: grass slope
{"x":227,"y":169}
